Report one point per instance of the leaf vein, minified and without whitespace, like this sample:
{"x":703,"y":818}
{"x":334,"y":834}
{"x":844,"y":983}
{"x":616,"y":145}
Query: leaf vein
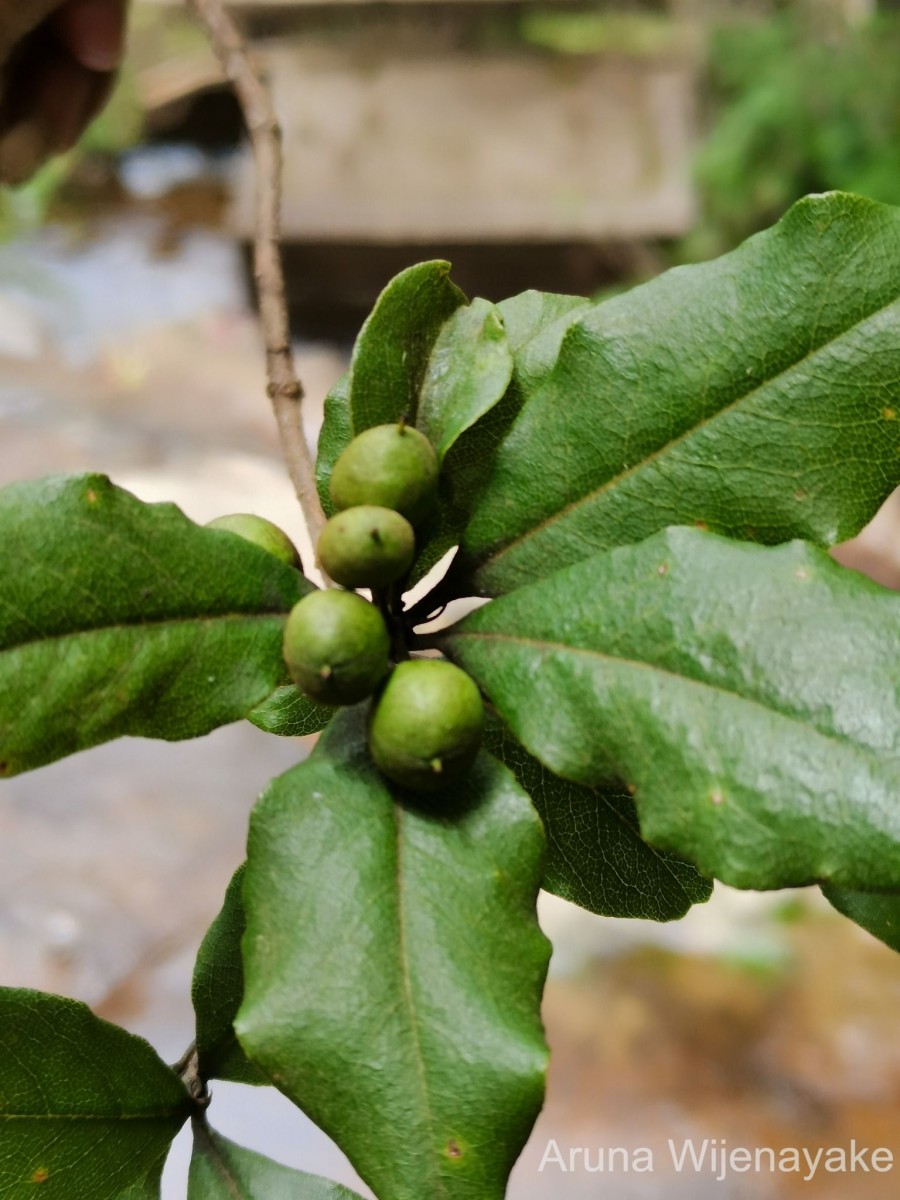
{"x":684,"y":436}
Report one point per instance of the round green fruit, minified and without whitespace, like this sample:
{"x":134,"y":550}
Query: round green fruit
{"x":336,"y":647}
{"x":426,"y":725}
{"x":261,"y":532}
{"x":393,"y":466}
{"x":366,"y":546}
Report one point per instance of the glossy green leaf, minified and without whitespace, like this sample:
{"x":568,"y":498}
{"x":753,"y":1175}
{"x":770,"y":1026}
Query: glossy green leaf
{"x":394,"y":967}
{"x":222,"y":1170}
{"x":217,"y":992}
{"x":746,"y":695}
{"x":535,"y":323}
{"x":126,"y":618}
{"x":87,"y":1110}
{"x":288,"y":713}
{"x":467,"y":373}
{"x":757,"y":395}
{"x":391,"y":353}
{"x":596,"y":856}
{"x":876,"y":912}
{"x":460,"y":374}
{"x":389,"y":362}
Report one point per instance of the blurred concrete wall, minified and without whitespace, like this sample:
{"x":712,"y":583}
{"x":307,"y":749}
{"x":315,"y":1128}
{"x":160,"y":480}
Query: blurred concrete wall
{"x":497,"y":146}
{"x":419,"y":121}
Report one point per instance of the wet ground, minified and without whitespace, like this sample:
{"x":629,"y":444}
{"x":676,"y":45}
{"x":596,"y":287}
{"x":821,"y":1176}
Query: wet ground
{"x":757,"y":1021}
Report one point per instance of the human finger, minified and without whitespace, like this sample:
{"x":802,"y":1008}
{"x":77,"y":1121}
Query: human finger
{"x":93,"y":31}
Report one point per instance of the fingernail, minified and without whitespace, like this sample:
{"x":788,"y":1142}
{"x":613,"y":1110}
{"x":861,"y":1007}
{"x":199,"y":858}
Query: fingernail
{"x":94,"y":32}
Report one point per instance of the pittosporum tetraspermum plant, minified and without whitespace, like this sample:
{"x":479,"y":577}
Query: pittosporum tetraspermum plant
{"x":672,"y":683}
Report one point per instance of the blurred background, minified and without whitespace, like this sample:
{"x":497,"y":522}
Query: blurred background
{"x":578,"y":147}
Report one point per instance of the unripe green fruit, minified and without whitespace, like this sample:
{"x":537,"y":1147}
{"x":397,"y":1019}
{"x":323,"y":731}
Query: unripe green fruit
{"x":261,"y":532}
{"x":426,"y":725}
{"x":366,"y":546}
{"x":336,"y":647}
{"x":393,"y":466}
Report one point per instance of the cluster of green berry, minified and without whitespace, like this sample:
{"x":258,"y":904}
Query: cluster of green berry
{"x":427,"y":717}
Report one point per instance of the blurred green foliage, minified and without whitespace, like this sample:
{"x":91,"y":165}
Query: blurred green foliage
{"x":23,"y":208}
{"x":792,"y":113}
{"x":632,"y":33}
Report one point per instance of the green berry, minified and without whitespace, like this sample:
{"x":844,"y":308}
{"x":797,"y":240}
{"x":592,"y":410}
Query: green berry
{"x":393,"y":466}
{"x":366,"y":546}
{"x":426,"y":725}
{"x":336,"y":647}
{"x":261,"y":532}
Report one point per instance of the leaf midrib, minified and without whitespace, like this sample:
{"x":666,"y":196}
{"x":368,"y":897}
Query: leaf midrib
{"x":162,"y":623}
{"x":162,"y":1115}
{"x":406,"y":982}
{"x":209,"y":1147}
{"x":830,"y":735}
{"x":615,"y":480}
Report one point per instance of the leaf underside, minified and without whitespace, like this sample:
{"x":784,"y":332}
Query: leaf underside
{"x":222,"y":1170}
{"x":596,"y":857}
{"x":288,"y":713}
{"x":217,"y":991}
{"x":876,"y":912}
{"x":87,"y":1111}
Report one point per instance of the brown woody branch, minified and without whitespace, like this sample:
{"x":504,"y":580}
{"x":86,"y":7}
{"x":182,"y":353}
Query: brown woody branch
{"x":284,"y":388}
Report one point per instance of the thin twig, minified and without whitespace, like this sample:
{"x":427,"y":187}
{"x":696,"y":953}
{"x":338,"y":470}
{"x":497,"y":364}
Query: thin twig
{"x":188,"y":1068}
{"x":284,"y":387}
